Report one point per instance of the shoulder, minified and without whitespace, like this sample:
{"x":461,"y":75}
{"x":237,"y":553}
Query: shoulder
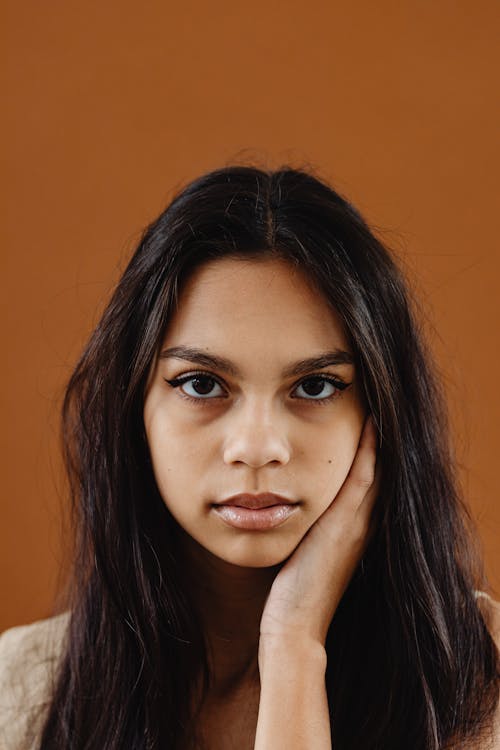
{"x":29,"y":656}
{"x":490,"y":610}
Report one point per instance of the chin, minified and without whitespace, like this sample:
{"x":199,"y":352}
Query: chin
{"x":251,"y":558}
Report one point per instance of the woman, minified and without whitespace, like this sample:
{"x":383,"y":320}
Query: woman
{"x":272,"y":548}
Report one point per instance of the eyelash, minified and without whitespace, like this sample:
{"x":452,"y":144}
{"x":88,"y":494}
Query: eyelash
{"x":340,"y":385}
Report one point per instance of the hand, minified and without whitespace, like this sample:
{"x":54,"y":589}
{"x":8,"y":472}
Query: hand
{"x":308,"y":588}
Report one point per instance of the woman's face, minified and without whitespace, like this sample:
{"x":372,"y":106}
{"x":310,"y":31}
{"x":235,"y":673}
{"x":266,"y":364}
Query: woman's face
{"x":250,"y":426}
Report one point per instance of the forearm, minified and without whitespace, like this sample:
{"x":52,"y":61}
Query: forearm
{"x":293,"y":707}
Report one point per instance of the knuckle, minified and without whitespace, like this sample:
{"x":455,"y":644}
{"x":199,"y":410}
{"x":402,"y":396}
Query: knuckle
{"x":364,"y":479}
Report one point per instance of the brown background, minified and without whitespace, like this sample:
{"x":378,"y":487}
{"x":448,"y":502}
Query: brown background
{"x":111,"y":105}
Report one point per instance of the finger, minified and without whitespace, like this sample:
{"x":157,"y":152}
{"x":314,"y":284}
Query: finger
{"x":365,"y":513}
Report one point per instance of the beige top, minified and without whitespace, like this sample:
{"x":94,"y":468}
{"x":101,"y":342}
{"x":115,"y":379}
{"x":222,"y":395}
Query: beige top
{"x":28,"y":658}
{"x":29,"y":655}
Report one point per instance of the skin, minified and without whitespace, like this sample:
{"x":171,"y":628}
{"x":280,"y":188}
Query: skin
{"x":255,"y":432}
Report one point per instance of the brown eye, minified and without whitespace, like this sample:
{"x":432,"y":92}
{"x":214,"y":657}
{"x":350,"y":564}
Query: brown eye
{"x":197,"y":387}
{"x":320,"y":388}
{"x":202,"y":385}
{"x":313,"y":387}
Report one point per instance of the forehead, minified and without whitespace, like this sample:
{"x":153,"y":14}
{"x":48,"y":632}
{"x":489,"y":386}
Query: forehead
{"x":253,"y":301}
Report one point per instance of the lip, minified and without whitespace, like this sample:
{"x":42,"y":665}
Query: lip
{"x":265,"y":510}
{"x":257,"y":502}
{"x":253,"y":519}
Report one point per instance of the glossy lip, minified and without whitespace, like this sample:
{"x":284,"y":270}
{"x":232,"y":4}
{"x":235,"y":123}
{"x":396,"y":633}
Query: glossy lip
{"x":255,"y":519}
{"x":256,"y":502}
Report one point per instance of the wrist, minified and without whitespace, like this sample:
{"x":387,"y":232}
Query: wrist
{"x":292,"y":651}
{"x":292,"y":667}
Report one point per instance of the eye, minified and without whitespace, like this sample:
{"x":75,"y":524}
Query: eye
{"x":320,"y":388}
{"x":199,"y":386}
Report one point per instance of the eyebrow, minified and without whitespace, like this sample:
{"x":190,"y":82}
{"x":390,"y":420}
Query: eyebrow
{"x":324,"y":359}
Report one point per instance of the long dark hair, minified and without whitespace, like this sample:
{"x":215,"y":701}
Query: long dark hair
{"x":410,"y":660}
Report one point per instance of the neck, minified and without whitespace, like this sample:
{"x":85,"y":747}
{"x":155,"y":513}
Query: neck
{"x":229,"y":600}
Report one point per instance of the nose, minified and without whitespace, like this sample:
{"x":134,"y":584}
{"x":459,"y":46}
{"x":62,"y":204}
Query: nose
{"x":256,"y":436}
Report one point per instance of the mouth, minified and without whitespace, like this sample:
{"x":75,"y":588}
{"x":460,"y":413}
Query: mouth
{"x":254,"y":519}
{"x":256,"y":502}
{"x":255,"y":512}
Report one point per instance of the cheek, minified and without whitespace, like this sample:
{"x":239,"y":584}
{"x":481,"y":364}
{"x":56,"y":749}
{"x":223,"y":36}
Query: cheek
{"x":176,"y":458}
{"x":333,"y":465}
